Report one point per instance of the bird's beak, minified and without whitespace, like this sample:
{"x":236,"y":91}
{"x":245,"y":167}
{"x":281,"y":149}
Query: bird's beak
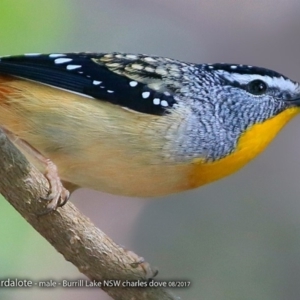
{"x":295,"y":100}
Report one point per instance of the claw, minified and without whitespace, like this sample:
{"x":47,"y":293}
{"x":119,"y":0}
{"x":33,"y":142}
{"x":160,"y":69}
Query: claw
{"x":140,"y":262}
{"x":58,"y":195}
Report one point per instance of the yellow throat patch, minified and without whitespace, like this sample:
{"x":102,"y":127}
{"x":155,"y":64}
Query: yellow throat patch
{"x":252,"y":142}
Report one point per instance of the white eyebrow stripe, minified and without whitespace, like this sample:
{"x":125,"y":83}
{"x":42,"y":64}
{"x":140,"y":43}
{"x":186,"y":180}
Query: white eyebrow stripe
{"x":276,"y":82}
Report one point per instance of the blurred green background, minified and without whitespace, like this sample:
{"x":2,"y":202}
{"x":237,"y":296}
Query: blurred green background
{"x":238,"y":238}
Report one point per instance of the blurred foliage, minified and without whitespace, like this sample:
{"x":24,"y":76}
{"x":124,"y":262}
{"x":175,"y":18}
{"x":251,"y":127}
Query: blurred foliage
{"x":10,"y":234}
{"x":33,"y":26}
{"x":28,"y":26}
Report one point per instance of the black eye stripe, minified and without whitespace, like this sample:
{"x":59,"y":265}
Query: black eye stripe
{"x":243,"y":86}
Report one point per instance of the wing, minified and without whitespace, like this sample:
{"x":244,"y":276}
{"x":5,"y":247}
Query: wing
{"x":138,"y":82}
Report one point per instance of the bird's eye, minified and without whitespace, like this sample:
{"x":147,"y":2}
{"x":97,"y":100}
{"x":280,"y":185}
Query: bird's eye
{"x":257,"y":87}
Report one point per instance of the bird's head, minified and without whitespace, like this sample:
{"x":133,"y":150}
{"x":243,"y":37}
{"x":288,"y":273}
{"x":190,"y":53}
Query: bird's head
{"x":247,"y":95}
{"x":234,"y":100}
{"x":239,"y":110}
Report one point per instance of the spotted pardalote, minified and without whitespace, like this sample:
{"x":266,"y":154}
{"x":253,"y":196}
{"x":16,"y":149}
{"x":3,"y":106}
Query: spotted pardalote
{"x":139,"y":125}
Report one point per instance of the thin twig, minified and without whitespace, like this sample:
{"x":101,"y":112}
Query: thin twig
{"x":71,"y":233}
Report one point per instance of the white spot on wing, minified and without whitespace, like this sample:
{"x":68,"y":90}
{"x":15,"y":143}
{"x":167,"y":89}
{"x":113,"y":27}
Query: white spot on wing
{"x":156,"y":101}
{"x":150,"y":69}
{"x":145,"y":95}
{"x":73,"y":67}
{"x":233,"y":67}
{"x":108,"y":55}
{"x":96,"y":82}
{"x":62,"y":60}
{"x":137,"y":67}
{"x":54,"y":55}
{"x":164,"y":103}
{"x":32,"y":54}
{"x":161,"y":71}
{"x":133,"y":83}
{"x":149,"y":59}
{"x":110,"y":91}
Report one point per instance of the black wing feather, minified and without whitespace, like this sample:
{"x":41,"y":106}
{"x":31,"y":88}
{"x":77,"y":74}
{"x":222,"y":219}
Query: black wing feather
{"x":78,"y":72}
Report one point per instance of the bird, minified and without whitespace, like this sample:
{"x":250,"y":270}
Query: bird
{"x":139,"y":125}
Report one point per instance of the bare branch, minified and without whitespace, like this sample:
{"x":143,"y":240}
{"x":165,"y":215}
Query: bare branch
{"x":71,"y":233}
